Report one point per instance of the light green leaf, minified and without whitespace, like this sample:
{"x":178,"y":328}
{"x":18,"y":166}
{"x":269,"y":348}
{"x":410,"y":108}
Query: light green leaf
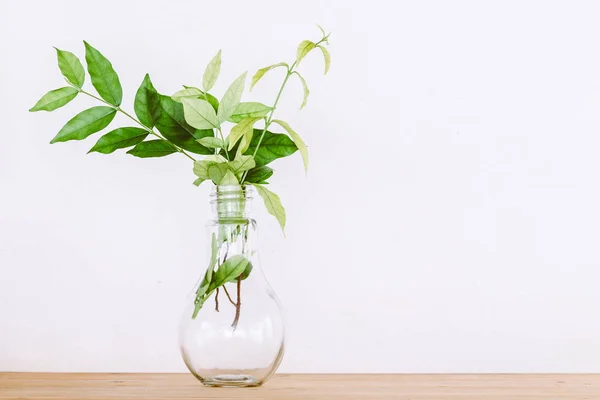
{"x":229,"y":271}
{"x":249,"y":109}
{"x":55,"y":99}
{"x":189,"y":92}
{"x":198,"y":181}
{"x":297,"y":140}
{"x":85,"y":123}
{"x":244,"y":143}
{"x":173,"y":127}
{"x":241,"y":164}
{"x":306,"y":91}
{"x":147,"y":103}
{"x":327,"y":58}
{"x":152,"y":148}
{"x":259,"y":175}
{"x":212,"y":142}
{"x":322,"y":30}
{"x":206,"y":96}
{"x":71,"y":67}
{"x":229,"y":179}
{"x":303,"y":49}
{"x":212,"y":72}
{"x":273,"y":204}
{"x":199,"y":113}
{"x":216,"y":172}
{"x":272,"y":147}
{"x":201,"y":168}
{"x":231,"y":99}
{"x":217,"y":158}
{"x":120,"y":138}
{"x":104,"y":78}
{"x":261,"y":72}
{"x":242,"y":128}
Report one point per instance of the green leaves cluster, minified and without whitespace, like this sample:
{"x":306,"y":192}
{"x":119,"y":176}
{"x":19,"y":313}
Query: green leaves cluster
{"x":191,"y":121}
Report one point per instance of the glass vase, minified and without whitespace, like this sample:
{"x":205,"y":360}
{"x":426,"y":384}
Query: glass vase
{"x":232,"y":333}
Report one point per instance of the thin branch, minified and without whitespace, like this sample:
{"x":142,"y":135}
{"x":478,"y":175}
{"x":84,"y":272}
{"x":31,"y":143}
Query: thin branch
{"x":217,"y":300}
{"x":228,"y":296}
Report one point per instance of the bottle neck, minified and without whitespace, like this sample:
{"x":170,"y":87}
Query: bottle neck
{"x":231,"y":203}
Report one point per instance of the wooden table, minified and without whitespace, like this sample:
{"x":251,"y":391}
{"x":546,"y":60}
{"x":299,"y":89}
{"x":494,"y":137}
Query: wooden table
{"x":304,"y":387}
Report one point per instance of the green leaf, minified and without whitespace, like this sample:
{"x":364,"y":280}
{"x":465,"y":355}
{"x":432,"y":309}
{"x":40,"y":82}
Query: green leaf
{"x":247,"y":271}
{"x":152,"y":148}
{"x":327,"y":58}
{"x":322,"y":30}
{"x":241,"y":164}
{"x":188,"y":92}
{"x":229,"y":179}
{"x":203,"y":288}
{"x":229,"y":271}
{"x":261,"y":72}
{"x":199,"y":113}
{"x":201,"y":168}
{"x":86,"y":123}
{"x":104,"y":78}
{"x":173,"y":127}
{"x":120,"y":138}
{"x":272,"y":147}
{"x":273,"y":204}
{"x":212,"y":142}
{"x":303,"y":49}
{"x":244,"y":127}
{"x":198,"y":181}
{"x":206,"y":96}
{"x":216,"y":172}
{"x":231,"y":99}
{"x":71,"y":67}
{"x":212,"y":72}
{"x":306,"y":91}
{"x":297,"y":140}
{"x":259,"y":175}
{"x":147,"y":103}
{"x":55,"y":99}
{"x":249,"y":110}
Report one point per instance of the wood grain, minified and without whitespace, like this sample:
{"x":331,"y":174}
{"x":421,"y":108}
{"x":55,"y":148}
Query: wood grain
{"x":304,"y":387}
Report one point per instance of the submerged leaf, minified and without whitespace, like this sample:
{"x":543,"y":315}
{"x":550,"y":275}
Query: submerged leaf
{"x":229,"y":271}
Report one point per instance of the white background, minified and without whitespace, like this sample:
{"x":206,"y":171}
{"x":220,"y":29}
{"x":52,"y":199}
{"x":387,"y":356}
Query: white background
{"x":449,"y":222}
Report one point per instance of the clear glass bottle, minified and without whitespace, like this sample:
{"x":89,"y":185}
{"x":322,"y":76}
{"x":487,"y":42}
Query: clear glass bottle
{"x":232,"y":332}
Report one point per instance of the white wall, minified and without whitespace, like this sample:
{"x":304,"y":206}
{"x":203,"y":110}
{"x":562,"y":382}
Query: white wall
{"x":449,"y":223}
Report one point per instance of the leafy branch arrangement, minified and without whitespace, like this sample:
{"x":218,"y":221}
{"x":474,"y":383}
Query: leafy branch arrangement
{"x":191,"y":122}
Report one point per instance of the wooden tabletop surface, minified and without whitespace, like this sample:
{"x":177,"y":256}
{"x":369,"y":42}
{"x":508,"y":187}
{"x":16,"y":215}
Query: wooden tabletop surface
{"x":304,"y":387}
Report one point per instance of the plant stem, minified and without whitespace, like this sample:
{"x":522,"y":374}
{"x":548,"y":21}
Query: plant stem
{"x":238,"y":305}
{"x":149,"y":130}
{"x":228,"y":296}
{"x":223,"y":139}
{"x":217,"y":300}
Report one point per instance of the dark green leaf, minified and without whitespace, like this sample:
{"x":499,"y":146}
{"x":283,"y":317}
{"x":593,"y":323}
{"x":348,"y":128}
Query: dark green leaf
{"x":259,"y":175}
{"x":229,"y":271}
{"x":71,"y":67}
{"x":173,"y":127}
{"x":55,"y":99}
{"x":104,"y":78}
{"x":85,"y":123}
{"x":152,"y":148}
{"x":147,"y":103}
{"x":272,"y":147}
{"x":120,"y":138}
